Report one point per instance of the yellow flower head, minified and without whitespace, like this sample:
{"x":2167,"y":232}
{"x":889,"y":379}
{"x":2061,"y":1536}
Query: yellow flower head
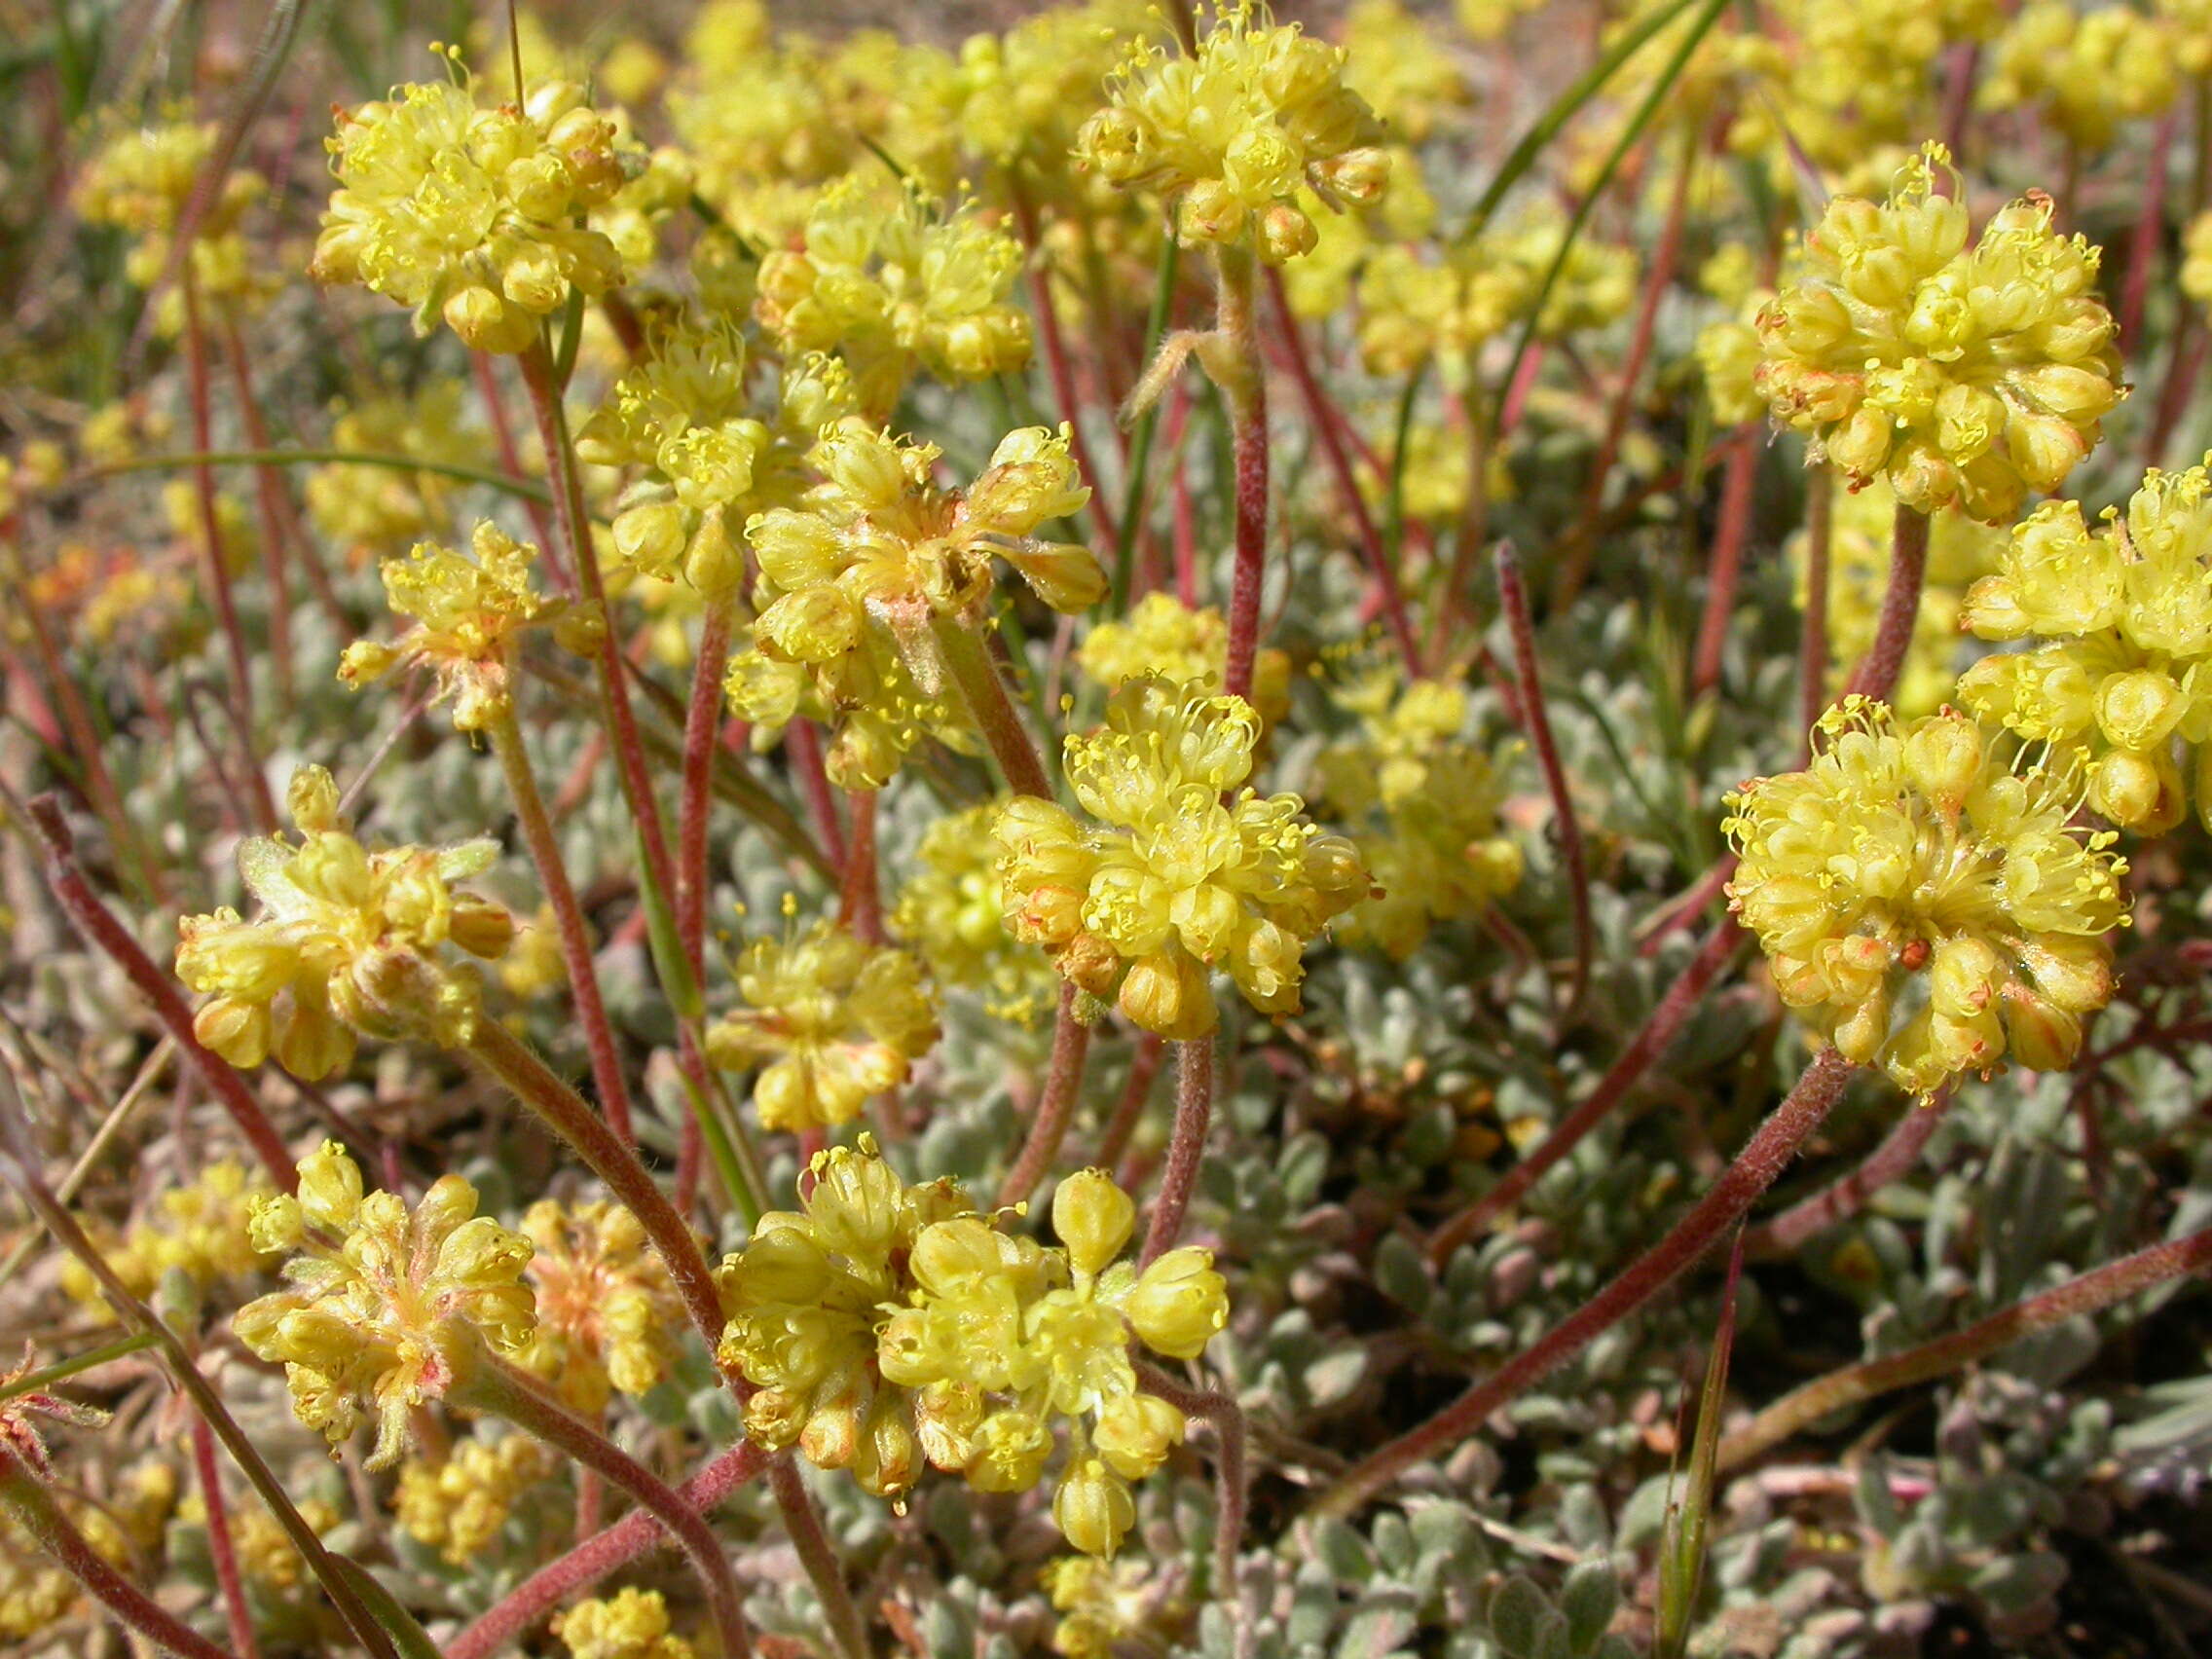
{"x":384,"y":1305}
{"x":1966,"y":377}
{"x":199,"y":1229}
{"x":949,"y":912}
{"x":2089,"y":69}
{"x":1233,"y":135}
{"x":1399,"y":63}
{"x":460,"y":1506}
{"x":607,"y":1315}
{"x":1423,"y":805}
{"x":867,"y":697}
{"x":386,"y":509}
{"x":1169,"y":883}
{"x":347,"y":941}
{"x":882,"y":545}
{"x":2119,"y":670}
{"x":805,"y":1298}
{"x":890,"y":284}
{"x":142,"y":179}
{"x":1921,"y":906}
{"x":468,"y":213}
{"x":470,"y":612}
{"x":630,"y":1624}
{"x":831,"y":1022}
{"x":1163,"y":636}
{"x":1102,"y":1605}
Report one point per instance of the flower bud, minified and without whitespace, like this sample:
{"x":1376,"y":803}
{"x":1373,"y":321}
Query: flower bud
{"x":1094,"y":1507}
{"x":1179,"y":1303}
{"x":1944,"y":758}
{"x":2139,"y":709}
{"x":1168,"y":994}
{"x":1135,"y":1432}
{"x":1093,"y":1217}
{"x":651,"y":536}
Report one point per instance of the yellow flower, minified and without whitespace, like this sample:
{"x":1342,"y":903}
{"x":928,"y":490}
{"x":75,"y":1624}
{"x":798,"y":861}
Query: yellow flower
{"x":143,"y":178}
{"x":384,"y":1305}
{"x":2089,"y":69}
{"x":830,"y":1020}
{"x":1400,"y":66}
{"x":948,"y":912}
{"x":630,"y":1624}
{"x":460,"y":1506}
{"x":468,"y":213}
{"x":1966,"y":377}
{"x":867,"y":696}
{"x":1231,"y":135}
{"x":804,"y":1298}
{"x":199,"y":1229}
{"x":1101,"y":1606}
{"x":1923,"y":907}
{"x":2118,"y":673}
{"x":1163,"y":636}
{"x":1169,"y":882}
{"x":470,"y":612}
{"x":607,"y":1315}
{"x":1423,"y":807}
{"x":890,"y":284}
{"x":347,"y":941}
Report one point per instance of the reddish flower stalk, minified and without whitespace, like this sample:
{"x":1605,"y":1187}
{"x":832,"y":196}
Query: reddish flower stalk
{"x":575,"y":532}
{"x":982,"y":687}
{"x":702,"y":727}
{"x":221,"y":1546}
{"x":1726,"y":566}
{"x":606,"y":1551}
{"x":1764,"y":1157}
{"x":510,"y":458}
{"x":1186,"y":1147}
{"x":1877,"y":675}
{"x":99,"y":928}
{"x":803,"y":1523}
{"x":2149,"y":223}
{"x":1061,"y":371}
{"x":1813,"y":637}
{"x":803,"y":744}
{"x":1895,"y":1158}
{"x":2091,"y":1293}
{"x":1535,"y":720}
{"x":1327,"y":427}
{"x":569,"y":927}
{"x":1219,"y":1409}
{"x":263,"y":804}
{"x":1242,"y":380}
{"x":860,"y":899}
{"x":40,"y":1514}
{"x":1643,"y":1049}
{"x":1129,"y":1110}
{"x":1056,"y":1103}
{"x":2185,"y":366}
{"x":1581,"y":542}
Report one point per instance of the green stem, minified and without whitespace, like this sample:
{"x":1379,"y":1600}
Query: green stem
{"x":960,"y":646}
{"x":61,"y":1371}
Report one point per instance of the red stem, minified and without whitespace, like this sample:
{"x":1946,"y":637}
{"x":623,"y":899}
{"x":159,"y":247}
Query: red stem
{"x":1186,"y":1147}
{"x":99,"y":928}
{"x":1244,"y":389}
{"x":702,"y":727}
{"x":1877,"y":676}
{"x":1057,"y":364}
{"x":804,"y":746}
{"x":1764,"y":1157}
{"x":607,"y":1551}
{"x":860,"y":901}
{"x":1726,"y":566}
{"x":1219,"y":1409}
{"x":510,"y":458}
{"x":1643,"y":1049}
{"x":1326,"y":427}
{"x":1898,"y":1151}
{"x":1056,"y":1103}
{"x":1535,"y":720}
{"x":1813,"y":640}
{"x":220,"y":1544}
{"x":2149,"y":222}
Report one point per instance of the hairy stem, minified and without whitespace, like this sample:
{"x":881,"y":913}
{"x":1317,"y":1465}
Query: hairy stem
{"x":1813,"y":640}
{"x":99,"y":928}
{"x":1220,"y":1409}
{"x":493,"y":1386}
{"x":1877,"y":676}
{"x":2094,"y":1291}
{"x":40,"y":1514}
{"x":1233,"y":362}
{"x":1898,"y":1151}
{"x":702,"y":728}
{"x":544,"y":846}
{"x":222,"y":1547}
{"x":1186,"y":1147}
{"x":804,"y":1522}
{"x":1726,"y":566}
{"x":1536,"y":719}
{"x":960,"y":646}
{"x":1056,"y":1103}
{"x":1764,"y":1157}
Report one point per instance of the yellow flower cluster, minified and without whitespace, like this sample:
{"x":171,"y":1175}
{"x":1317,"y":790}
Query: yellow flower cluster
{"x":831,"y":1022}
{"x":142,"y":180}
{"x":1422,"y":803}
{"x":384,"y":1306}
{"x":888,"y":283}
{"x":2088,"y":68}
{"x":1162,"y":637}
{"x":2118,"y":673}
{"x":1965,"y":376}
{"x":375,"y":511}
{"x":1233,"y":135}
{"x":470,"y":214}
{"x":460,"y":1506}
{"x":1400,"y":64}
{"x":1170,"y":883}
{"x":888,"y":1325}
{"x":948,"y":912}
{"x":1102,"y":1605}
{"x":1921,"y":905}
{"x":470,"y":612}
{"x":198,"y":1230}
{"x":607,"y":1311}
{"x":630,"y":1624}
{"x":347,"y":941}
{"x":1960,"y":551}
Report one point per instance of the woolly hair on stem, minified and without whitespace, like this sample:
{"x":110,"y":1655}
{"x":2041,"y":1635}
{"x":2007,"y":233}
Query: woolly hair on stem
{"x":1764,"y":1157}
